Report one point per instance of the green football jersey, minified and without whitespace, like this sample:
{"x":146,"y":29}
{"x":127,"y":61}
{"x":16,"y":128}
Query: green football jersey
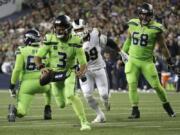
{"x":25,"y":67}
{"x":143,"y":38}
{"x":62,"y":55}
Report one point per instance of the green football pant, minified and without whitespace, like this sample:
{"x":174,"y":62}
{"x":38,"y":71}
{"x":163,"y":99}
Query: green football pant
{"x":133,"y":68}
{"x":64,"y":93}
{"x":28,"y":89}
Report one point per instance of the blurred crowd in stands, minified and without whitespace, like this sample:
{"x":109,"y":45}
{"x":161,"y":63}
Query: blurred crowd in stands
{"x":111,"y":17}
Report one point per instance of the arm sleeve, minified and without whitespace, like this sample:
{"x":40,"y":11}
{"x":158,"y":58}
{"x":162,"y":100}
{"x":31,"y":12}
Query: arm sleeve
{"x":17,"y":69}
{"x":80,"y":54}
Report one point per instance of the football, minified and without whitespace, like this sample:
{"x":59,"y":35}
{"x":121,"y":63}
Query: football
{"x":45,"y":78}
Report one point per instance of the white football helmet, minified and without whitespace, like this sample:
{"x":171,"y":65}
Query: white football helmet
{"x":80,"y":28}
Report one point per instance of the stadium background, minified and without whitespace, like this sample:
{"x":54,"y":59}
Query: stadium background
{"x":110,"y":16}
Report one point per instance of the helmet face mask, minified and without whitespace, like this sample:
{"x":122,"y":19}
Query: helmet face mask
{"x":80,"y":28}
{"x":61,"y":32}
{"x":62,"y":26}
{"x":31,"y":37}
{"x":145,"y":12}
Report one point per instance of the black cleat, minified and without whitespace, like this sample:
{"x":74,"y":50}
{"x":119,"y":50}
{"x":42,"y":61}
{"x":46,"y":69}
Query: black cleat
{"x":11,"y":113}
{"x":135,"y":113}
{"x":167,"y":107}
{"x":47,"y":112}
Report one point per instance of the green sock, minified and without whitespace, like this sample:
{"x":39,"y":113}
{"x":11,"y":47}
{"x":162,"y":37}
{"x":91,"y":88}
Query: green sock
{"x":47,"y":98}
{"x":133,"y":95}
{"x":161,"y":93}
{"x":78,"y":108}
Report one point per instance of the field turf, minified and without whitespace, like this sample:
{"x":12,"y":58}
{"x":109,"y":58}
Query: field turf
{"x":153,"y":121}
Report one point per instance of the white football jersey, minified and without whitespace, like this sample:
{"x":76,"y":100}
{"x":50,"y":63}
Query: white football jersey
{"x":93,"y":48}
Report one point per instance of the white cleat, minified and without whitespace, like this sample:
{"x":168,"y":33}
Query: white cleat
{"x":99,"y":119}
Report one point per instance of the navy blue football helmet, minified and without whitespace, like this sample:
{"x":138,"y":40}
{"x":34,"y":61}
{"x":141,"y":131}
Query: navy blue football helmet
{"x":31,"y":36}
{"x":146,"y":13}
{"x":62,"y":26}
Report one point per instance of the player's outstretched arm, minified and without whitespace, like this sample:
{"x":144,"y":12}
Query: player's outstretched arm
{"x":15,"y":74}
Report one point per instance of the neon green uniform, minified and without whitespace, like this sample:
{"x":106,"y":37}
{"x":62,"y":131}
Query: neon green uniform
{"x":141,"y":45}
{"x":25,"y":71}
{"x":62,"y":57}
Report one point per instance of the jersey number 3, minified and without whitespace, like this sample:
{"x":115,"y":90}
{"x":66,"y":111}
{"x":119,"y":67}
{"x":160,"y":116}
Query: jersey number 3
{"x":62,"y":60}
{"x":143,"y":39}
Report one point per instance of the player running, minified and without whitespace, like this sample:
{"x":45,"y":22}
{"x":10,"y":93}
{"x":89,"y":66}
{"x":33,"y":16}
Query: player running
{"x":93,"y":42}
{"x":63,"y":49}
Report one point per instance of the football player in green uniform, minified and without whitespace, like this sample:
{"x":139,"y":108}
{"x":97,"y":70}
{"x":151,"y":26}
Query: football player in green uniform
{"x":63,"y":50}
{"x":25,"y":71}
{"x":143,"y":34}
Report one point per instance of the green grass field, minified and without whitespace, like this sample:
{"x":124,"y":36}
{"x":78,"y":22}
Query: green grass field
{"x":153,"y":121}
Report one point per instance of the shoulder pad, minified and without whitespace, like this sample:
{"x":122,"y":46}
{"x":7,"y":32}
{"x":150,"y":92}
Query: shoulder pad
{"x":50,"y":39}
{"x":18,"y":50}
{"x":133,"y":22}
{"x":75,"y":41}
{"x":156,"y":26}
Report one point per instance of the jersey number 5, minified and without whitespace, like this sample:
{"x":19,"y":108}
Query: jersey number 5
{"x":143,"y":39}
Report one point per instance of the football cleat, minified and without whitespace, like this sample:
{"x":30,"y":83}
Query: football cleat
{"x":167,"y":107}
{"x":135,"y":113}
{"x":99,"y":119}
{"x":85,"y":126}
{"x":47,"y":112}
{"x":11,"y":113}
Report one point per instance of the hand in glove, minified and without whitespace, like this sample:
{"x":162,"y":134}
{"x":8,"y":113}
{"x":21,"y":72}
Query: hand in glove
{"x":12,"y":90}
{"x":124,"y":56}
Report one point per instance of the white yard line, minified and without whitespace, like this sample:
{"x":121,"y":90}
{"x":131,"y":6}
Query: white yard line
{"x":172,"y":128}
{"x":59,"y":114}
{"x":64,"y":124}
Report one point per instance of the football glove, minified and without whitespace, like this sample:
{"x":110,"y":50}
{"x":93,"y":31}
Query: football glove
{"x":45,"y":77}
{"x":12,"y":90}
{"x":124,"y":56}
